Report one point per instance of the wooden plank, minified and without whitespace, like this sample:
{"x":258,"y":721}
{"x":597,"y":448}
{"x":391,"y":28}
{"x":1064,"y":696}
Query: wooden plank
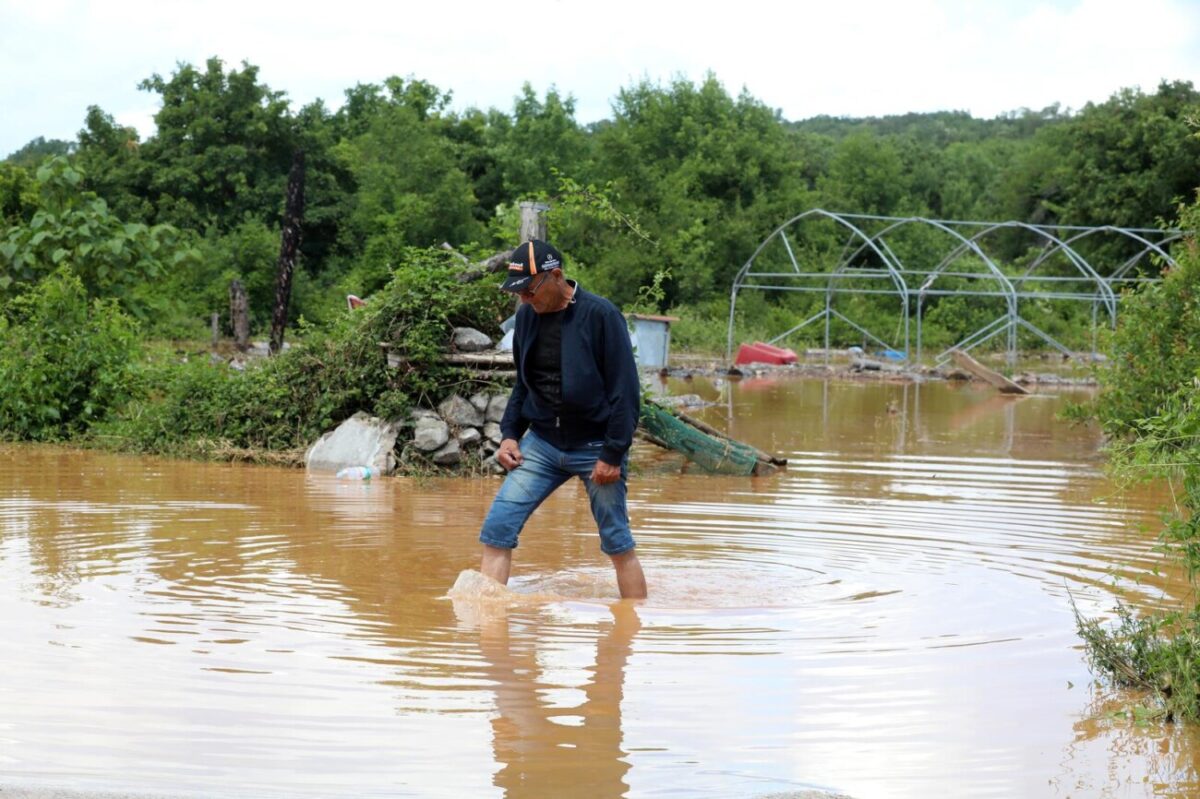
{"x":966,"y":362}
{"x":502,"y":359}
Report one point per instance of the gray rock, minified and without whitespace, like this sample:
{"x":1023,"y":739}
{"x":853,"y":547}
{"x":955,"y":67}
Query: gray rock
{"x":361,"y":440}
{"x":468,"y":339}
{"x":480,"y":401}
{"x":460,"y":413}
{"x":492,"y":431}
{"x":496,"y":406}
{"x":430,"y":433}
{"x":469,"y":437}
{"x":492,"y":465}
{"x":449,"y":454}
{"x":423,"y":413}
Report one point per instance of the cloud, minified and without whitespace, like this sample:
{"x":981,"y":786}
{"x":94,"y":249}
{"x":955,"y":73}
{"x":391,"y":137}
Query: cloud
{"x":858,"y":57}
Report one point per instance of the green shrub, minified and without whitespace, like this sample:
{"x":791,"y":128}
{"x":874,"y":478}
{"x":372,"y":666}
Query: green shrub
{"x":285,"y":402}
{"x":73,"y":227}
{"x":64,"y":359}
{"x":1149,"y":405}
{"x":1156,"y":347}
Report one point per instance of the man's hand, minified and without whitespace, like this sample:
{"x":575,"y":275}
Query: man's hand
{"x":605,"y":473}
{"x":509,"y":454}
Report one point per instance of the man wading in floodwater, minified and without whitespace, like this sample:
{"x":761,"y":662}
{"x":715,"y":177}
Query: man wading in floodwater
{"x":574,"y":409}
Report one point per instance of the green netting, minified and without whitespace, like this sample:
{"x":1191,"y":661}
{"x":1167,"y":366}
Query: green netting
{"x":717,"y":455}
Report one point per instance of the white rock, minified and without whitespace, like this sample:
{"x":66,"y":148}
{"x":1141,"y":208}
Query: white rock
{"x":469,"y":437}
{"x":480,"y":401}
{"x":430,"y":433}
{"x":492,"y":431}
{"x":468,"y":339}
{"x":361,"y":440}
{"x":449,"y":454}
{"x":496,"y":406}
{"x":460,"y":413}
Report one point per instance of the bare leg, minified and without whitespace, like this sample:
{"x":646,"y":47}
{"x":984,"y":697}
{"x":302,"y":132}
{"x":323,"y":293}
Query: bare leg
{"x":630,"y":579}
{"x":497,"y":563}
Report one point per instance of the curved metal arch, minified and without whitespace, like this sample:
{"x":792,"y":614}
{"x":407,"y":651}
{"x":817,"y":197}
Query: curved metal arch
{"x":1078,"y":260}
{"x":839,"y":218}
{"x":1009,"y":293}
{"x":960,"y":250}
{"x":1131,"y":234}
{"x":1119,"y":272}
{"x":893,"y":272}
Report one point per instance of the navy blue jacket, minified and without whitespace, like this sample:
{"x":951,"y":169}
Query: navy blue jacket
{"x":600,"y":386}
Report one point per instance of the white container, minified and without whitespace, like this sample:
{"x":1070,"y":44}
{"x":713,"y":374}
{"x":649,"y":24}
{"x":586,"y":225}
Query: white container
{"x":357,"y":473}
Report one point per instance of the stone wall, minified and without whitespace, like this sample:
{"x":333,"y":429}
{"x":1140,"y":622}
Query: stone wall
{"x":459,"y":434}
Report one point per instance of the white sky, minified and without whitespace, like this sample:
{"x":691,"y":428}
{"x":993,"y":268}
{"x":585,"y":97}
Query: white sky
{"x":837,"y":57}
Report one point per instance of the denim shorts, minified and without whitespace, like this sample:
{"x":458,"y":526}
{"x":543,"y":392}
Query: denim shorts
{"x":545,"y":468}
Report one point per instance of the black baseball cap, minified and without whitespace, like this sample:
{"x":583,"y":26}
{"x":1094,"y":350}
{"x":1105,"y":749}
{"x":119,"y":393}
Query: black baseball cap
{"x":529,"y":259}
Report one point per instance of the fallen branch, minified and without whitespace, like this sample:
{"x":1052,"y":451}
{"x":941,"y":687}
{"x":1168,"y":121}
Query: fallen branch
{"x":489,"y":266}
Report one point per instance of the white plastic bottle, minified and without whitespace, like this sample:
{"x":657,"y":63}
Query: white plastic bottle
{"x":357,"y":473}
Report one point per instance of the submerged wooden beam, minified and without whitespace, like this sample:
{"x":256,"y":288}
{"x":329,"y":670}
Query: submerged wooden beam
{"x":702,"y":444}
{"x":996,"y":379}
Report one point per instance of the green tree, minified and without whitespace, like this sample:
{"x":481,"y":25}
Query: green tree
{"x":73,"y":227}
{"x":1130,"y":160}
{"x":540,"y":137}
{"x":110,"y":157}
{"x":707,"y":176}
{"x":38,"y":150}
{"x":221,"y":150}
{"x":866,"y":176}
{"x":65,"y":359}
{"x":410,"y":187}
{"x":18,"y":195}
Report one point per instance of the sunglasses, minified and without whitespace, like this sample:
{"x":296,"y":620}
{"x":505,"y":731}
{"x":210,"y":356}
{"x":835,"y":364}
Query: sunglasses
{"x":534,"y":286}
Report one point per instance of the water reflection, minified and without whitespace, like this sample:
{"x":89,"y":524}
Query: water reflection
{"x":551,"y":735}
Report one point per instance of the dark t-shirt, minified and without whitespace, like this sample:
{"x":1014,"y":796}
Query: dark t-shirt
{"x":545,"y":360}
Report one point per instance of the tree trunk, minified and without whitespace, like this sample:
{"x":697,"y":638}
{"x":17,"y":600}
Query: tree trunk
{"x":216,"y":330}
{"x":533,"y":226}
{"x":293,"y":216}
{"x":239,"y":312}
{"x":533,"y":221}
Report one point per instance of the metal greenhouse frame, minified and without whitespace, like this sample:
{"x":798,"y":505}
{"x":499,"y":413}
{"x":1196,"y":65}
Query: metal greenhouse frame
{"x":868,"y":264}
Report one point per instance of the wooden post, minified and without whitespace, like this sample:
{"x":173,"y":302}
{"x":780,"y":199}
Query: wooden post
{"x":293,"y":216}
{"x":533,"y":221}
{"x":239,"y":312}
{"x":216,"y":330}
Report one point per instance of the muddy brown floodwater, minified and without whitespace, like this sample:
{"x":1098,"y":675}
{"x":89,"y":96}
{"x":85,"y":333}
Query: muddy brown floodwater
{"x":888,"y":618}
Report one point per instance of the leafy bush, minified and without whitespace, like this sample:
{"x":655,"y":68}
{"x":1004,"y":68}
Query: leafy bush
{"x":285,"y":402}
{"x":1161,"y":651}
{"x":64,"y":360}
{"x":1149,"y":404}
{"x":70,"y":226}
{"x":1156,"y":347}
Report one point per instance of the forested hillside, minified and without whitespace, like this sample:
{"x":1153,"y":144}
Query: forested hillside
{"x":683,"y":179}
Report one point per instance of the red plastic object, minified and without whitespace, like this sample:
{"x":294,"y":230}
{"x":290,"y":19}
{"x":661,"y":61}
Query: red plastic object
{"x":758,"y":352}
